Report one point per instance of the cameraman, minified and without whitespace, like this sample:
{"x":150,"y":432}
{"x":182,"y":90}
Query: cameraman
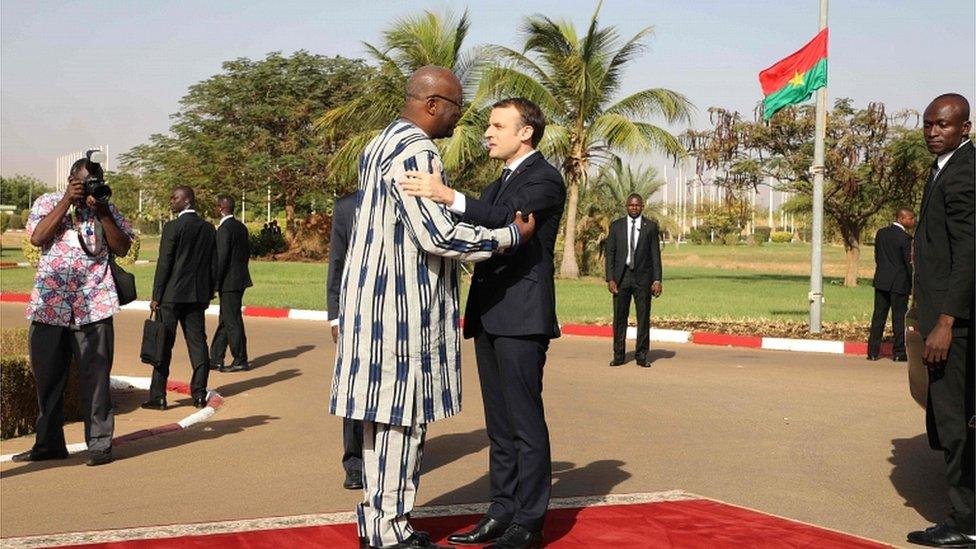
{"x":70,"y":310}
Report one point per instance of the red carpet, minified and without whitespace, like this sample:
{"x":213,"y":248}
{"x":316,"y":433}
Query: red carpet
{"x":672,"y":524}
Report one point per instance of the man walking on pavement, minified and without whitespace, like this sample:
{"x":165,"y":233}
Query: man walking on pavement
{"x":182,"y":289}
{"x":892,"y":283}
{"x":233,"y":277}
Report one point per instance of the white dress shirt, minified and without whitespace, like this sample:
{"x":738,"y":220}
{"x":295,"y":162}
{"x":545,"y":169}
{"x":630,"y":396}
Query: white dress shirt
{"x":944,"y":157}
{"x":225,"y":218}
{"x":637,"y":226}
{"x":460,"y":201}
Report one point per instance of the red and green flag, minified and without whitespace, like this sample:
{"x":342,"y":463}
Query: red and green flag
{"x":795,"y":78}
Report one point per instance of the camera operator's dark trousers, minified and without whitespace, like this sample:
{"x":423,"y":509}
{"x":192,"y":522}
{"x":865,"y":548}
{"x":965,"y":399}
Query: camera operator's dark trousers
{"x":898,"y":303}
{"x":51,"y":349}
{"x":641,"y":294}
{"x":352,"y":445}
{"x":230,"y":329}
{"x":190,"y":318}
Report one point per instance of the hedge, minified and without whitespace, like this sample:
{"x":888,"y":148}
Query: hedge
{"x":18,"y":393}
{"x":781,"y":236}
{"x":15,"y":221}
{"x":264,"y":243}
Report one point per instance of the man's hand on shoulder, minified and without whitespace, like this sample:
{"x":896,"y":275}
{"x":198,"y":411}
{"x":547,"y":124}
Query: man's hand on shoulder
{"x":428,"y":185}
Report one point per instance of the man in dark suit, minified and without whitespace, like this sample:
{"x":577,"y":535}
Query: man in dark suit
{"x":233,"y":277}
{"x":182,"y":288}
{"x":511,"y":314}
{"x":633,"y":258}
{"x":352,"y":429}
{"x":892,"y":283}
{"x":944,"y":300}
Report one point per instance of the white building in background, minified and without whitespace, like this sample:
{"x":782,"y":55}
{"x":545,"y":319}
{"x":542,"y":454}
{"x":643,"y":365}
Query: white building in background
{"x":64,"y":162}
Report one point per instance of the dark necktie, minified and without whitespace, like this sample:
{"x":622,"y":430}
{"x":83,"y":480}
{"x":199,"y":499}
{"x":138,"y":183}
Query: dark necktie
{"x":633,"y":243}
{"x":505,"y":173}
{"x":933,"y":173}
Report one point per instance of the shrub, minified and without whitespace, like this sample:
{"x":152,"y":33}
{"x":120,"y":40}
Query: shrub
{"x":18,"y":393}
{"x":25,"y":214}
{"x":31,"y":252}
{"x":264,"y":243}
{"x":699,"y":236}
{"x":762,"y":234}
{"x":4,"y":222}
{"x":730,"y":239}
{"x":15,"y":221}
{"x":133,"y":255}
{"x":781,"y":236}
{"x":146,"y":226}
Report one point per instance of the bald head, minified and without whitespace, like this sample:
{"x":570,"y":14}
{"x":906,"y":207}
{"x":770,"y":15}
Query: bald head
{"x":433,"y":100}
{"x":905,"y":217}
{"x":946,"y":123}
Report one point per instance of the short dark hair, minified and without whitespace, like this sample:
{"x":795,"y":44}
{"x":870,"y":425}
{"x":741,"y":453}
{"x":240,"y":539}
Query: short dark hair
{"x":226,"y":202}
{"x":959,"y":99}
{"x":635,"y":195}
{"x":188,"y":191}
{"x":78,"y":165}
{"x":902,"y":212}
{"x":530,"y":113}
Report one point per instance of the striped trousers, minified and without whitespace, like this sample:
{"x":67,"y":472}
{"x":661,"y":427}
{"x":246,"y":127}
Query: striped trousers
{"x":391,"y":475}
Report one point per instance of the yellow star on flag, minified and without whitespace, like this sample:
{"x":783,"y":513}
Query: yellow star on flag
{"x":797,"y":79}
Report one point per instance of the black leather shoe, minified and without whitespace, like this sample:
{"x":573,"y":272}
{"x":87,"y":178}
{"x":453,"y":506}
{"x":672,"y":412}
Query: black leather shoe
{"x":941,"y":535}
{"x":236,"y":367}
{"x":642,"y":362}
{"x":216,"y":366}
{"x":200,"y":402}
{"x":487,"y":530}
{"x":617,"y":362}
{"x":31,"y":455}
{"x":900,"y":358}
{"x":873,"y":357}
{"x":518,"y":537}
{"x":417,"y":539}
{"x":363,"y":543}
{"x":99,"y":458}
{"x":154,"y":404}
{"x":354,"y":480}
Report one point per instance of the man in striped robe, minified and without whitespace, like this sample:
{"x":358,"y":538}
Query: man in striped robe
{"x":398,"y":363}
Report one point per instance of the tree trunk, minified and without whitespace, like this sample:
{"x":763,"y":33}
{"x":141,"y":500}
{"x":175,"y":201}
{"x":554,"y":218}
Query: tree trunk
{"x":852,"y":244}
{"x":569,"y":267}
{"x":290,"y":235}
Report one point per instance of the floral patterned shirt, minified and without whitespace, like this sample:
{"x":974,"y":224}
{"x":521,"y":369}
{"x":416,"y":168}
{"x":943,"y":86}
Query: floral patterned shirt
{"x":72,"y":287}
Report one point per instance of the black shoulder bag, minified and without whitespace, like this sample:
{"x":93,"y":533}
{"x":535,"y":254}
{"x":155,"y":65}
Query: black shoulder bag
{"x":125,"y":282}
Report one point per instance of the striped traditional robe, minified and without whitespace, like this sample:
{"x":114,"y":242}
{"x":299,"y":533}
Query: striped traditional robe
{"x":398,"y":359}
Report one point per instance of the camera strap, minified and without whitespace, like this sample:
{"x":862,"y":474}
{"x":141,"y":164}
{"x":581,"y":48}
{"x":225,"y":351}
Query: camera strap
{"x":99,"y":235}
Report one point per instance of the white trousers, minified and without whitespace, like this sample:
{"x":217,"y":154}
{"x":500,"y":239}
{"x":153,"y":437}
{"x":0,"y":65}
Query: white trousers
{"x":391,"y":475}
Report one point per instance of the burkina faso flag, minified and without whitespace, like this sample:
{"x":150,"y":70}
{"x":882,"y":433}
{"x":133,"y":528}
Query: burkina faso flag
{"x":795,"y":78}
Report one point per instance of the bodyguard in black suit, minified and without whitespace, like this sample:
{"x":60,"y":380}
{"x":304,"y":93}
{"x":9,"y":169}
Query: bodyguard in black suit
{"x":182,"y":288}
{"x":233,"y":277}
{"x":892,"y":283}
{"x":511,"y":314}
{"x":352,"y":430}
{"x":633,"y":258}
{"x":944,"y":299}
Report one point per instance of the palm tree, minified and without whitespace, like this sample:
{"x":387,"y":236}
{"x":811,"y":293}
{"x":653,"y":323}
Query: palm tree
{"x":575,"y":81}
{"x":408,"y":44}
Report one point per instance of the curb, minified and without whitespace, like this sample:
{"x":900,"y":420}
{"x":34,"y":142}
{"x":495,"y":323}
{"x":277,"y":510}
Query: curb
{"x":589,"y":330}
{"x":128,"y":383}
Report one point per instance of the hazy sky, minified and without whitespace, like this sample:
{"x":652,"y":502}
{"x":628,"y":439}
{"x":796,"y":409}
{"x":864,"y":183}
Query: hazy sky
{"x":74,"y":74}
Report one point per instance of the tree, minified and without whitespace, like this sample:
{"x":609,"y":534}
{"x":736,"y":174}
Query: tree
{"x":873,"y":162}
{"x":408,"y":44}
{"x":575,"y":80}
{"x":21,"y":190}
{"x":251,"y":126}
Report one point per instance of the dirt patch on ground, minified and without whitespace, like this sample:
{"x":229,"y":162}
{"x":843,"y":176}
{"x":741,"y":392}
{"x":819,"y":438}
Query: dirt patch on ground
{"x":843,"y":331}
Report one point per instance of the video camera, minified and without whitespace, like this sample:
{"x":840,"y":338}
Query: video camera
{"x":95,"y":184}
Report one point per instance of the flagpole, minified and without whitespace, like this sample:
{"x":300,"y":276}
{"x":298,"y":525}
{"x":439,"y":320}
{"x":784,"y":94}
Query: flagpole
{"x":816,"y":256}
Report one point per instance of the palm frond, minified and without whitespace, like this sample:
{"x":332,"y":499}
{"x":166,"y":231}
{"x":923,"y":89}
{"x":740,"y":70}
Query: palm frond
{"x":673,"y":106}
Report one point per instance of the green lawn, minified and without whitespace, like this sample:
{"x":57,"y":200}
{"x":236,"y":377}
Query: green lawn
{"x":689,"y":292}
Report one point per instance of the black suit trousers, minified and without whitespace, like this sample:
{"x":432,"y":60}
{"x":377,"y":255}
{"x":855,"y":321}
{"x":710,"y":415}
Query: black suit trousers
{"x":520,"y":467}
{"x":949,"y":413}
{"x":230,"y":329}
{"x":352,"y":445}
{"x":190,"y":316}
{"x":51,"y":349}
{"x":628,"y":290}
{"x":883,"y":301}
